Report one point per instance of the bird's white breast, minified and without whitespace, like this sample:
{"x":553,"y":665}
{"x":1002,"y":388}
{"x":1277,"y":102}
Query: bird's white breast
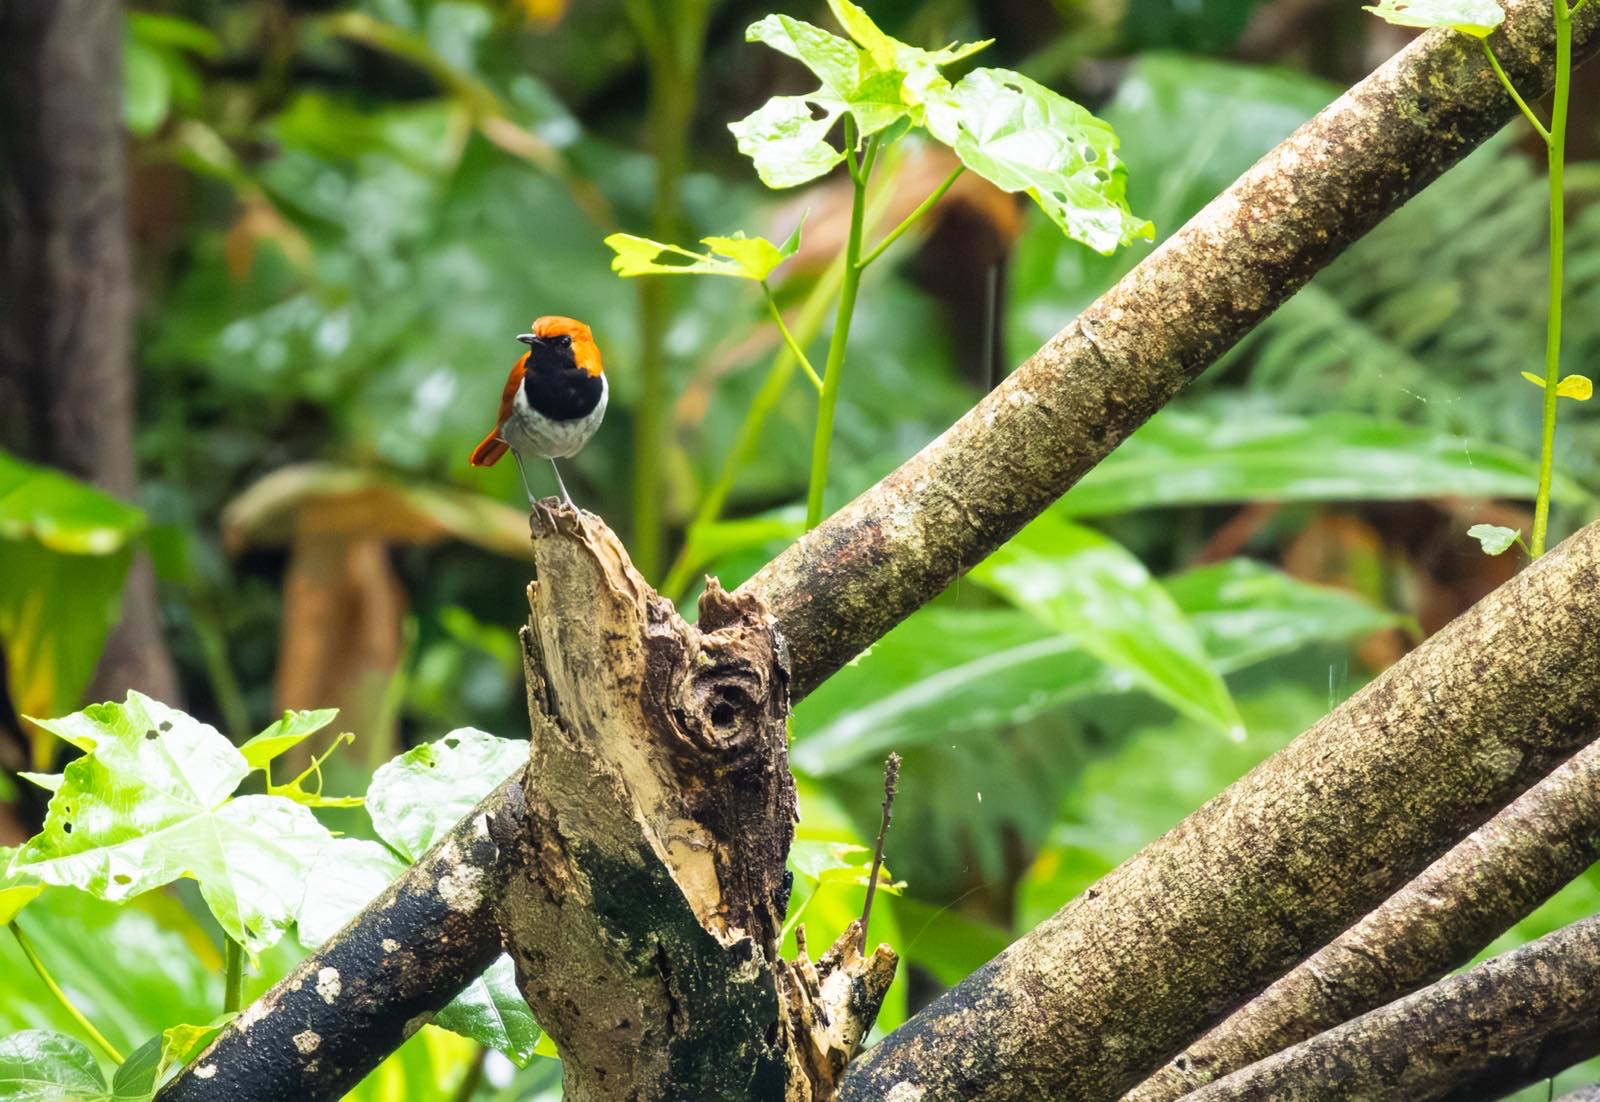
{"x":532,"y":433}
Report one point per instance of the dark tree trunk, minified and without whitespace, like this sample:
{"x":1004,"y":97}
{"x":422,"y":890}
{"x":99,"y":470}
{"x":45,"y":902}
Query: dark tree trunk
{"x":66,"y":285}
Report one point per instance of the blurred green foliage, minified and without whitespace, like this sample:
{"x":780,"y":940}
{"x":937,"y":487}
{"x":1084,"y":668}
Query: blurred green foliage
{"x":348,"y":208}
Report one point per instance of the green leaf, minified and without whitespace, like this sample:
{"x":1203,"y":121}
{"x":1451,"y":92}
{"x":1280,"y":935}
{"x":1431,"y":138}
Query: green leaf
{"x":17,"y":890}
{"x":1088,"y":587}
{"x":1577,"y":387}
{"x":137,"y":1076}
{"x":167,"y":969}
{"x":418,"y":796}
{"x":1245,"y":612}
{"x":738,"y":256}
{"x":287,"y":732}
{"x":1198,"y":457}
{"x":1021,"y":136}
{"x":182,"y":1043}
{"x":1493,"y":538}
{"x":149,"y":803}
{"x":39,"y":1065}
{"x":1478,"y":18}
{"x":414,"y":799}
{"x":173,"y":32}
{"x":943,"y":674}
{"x":787,"y":145}
{"x":146,"y":88}
{"x":50,"y":782}
{"x":492,"y":1011}
{"x":820,"y":861}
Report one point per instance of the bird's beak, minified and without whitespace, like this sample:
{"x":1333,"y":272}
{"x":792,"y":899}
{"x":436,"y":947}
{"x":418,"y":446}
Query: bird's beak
{"x":527,"y":338}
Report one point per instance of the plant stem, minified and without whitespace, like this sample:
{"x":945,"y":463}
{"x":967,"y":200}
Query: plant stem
{"x":923,"y":208}
{"x":1556,"y":145}
{"x":788,"y":338}
{"x":233,"y":985}
{"x":1527,"y":112}
{"x":673,"y":46}
{"x":841,"y":335}
{"x":61,"y":996}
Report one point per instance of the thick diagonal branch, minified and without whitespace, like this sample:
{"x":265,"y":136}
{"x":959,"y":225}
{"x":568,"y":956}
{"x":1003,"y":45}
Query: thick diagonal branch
{"x":1489,"y":1026}
{"x":1458,"y":905}
{"x":1099,"y":995}
{"x":899,"y":544}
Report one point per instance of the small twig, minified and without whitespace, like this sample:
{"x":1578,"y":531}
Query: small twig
{"x":891,"y":778}
{"x":61,"y":996}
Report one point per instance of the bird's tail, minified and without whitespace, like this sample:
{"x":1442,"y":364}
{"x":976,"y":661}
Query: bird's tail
{"x":489,"y":452}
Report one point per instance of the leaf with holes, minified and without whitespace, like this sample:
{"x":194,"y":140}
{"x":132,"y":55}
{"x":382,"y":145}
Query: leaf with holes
{"x":1021,"y":136}
{"x":786,"y":142}
{"x":418,"y":796}
{"x":150,"y":802}
{"x":1478,"y":18}
{"x":413,"y":800}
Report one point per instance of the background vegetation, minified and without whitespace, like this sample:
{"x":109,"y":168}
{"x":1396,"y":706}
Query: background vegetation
{"x":344,"y":212}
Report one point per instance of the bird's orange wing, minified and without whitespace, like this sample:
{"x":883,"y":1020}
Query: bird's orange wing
{"x":489,"y":452}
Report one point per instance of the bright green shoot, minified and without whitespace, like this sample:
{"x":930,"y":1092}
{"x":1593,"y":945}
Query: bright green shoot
{"x":1479,"y":18}
{"x":1017,"y":134}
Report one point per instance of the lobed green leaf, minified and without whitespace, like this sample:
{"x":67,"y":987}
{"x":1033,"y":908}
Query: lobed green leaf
{"x":1021,"y":136}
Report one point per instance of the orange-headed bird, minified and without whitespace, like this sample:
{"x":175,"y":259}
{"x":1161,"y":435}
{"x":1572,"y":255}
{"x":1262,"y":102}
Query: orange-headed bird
{"x":553,"y":401}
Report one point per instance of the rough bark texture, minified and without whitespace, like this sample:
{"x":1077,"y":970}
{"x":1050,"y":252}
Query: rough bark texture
{"x":1468,"y":1036}
{"x":353,"y":1001}
{"x":899,"y":544}
{"x":1096,"y":997}
{"x":66,"y":330}
{"x":1444,"y":917}
{"x":896,"y":546}
{"x":646,"y":902}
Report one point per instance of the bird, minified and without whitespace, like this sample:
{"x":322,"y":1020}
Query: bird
{"x":554,"y":399}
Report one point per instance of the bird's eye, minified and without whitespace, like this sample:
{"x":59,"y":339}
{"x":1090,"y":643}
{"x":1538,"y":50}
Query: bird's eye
{"x":566,"y":342}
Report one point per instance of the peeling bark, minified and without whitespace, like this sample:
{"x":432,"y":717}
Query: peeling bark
{"x":899,"y":544}
{"x":1440,"y":920}
{"x":847,"y":582}
{"x":646,"y":902}
{"x":1096,"y":997}
{"x":1469,"y":1036}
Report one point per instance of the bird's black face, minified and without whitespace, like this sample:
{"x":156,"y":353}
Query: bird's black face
{"x":549,"y":355}
{"x":554,"y":383}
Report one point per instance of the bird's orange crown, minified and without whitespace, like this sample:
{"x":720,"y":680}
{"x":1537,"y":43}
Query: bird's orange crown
{"x":584,"y":350}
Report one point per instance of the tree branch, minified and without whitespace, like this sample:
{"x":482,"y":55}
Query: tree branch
{"x":1096,"y":997}
{"x":846,"y":583}
{"x":1461,"y":903}
{"x":1486,"y":1026}
{"x":899,"y":544}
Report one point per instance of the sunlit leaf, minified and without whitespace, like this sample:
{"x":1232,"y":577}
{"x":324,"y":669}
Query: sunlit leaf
{"x":149,"y":803}
{"x":1021,"y":136}
{"x":1494,"y":538}
{"x":418,"y":796}
{"x":293,"y":728}
{"x":1190,"y":457}
{"x":181,"y":1043}
{"x":1478,"y":18}
{"x":412,"y":800}
{"x":1577,"y":387}
{"x":739,"y":256}
{"x":786,"y":143}
{"x":39,"y":1065}
{"x":17,"y":890}
{"x":1090,"y":588}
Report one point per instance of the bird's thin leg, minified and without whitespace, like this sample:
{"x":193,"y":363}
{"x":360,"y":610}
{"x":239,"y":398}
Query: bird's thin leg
{"x":564,"y":495}
{"x":515,"y":455}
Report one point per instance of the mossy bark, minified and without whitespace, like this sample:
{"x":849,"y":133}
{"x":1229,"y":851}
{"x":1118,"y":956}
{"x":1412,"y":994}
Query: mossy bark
{"x":1099,"y":995}
{"x":646,"y":900}
{"x":1476,"y":1035}
{"x":1438,"y":921}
